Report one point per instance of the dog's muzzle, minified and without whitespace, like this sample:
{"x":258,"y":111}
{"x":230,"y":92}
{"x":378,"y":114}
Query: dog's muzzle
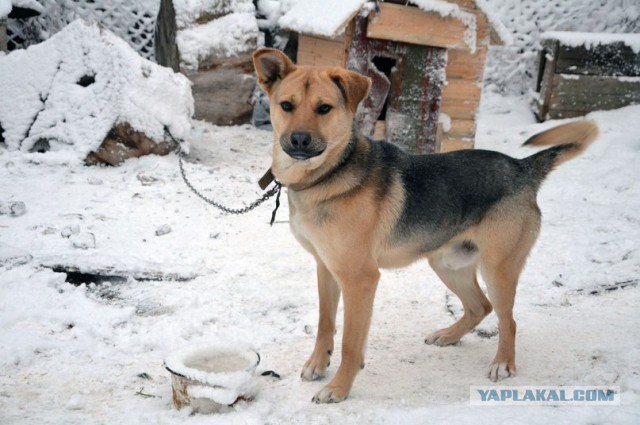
{"x":301,"y":146}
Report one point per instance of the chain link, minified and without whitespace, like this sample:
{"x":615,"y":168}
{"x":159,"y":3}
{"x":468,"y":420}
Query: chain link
{"x":268,"y":194}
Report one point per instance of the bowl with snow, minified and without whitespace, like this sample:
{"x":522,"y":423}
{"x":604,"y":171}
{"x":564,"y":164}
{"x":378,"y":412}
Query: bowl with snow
{"x":211,"y":378}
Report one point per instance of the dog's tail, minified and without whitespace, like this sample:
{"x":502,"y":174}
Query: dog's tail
{"x":568,"y":141}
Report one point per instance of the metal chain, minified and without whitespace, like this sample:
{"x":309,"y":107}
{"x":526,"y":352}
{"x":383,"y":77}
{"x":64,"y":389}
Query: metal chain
{"x":268,"y":194}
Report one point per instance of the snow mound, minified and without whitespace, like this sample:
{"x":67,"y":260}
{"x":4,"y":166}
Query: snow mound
{"x":228,"y":36}
{"x":70,"y":90}
{"x":189,"y":11}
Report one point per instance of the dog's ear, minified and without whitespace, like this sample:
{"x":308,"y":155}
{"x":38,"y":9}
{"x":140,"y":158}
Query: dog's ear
{"x":354,"y":86}
{"x":271,"y":65}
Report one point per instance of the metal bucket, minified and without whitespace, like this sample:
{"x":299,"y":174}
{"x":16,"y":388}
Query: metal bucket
{"x":211,"y":378}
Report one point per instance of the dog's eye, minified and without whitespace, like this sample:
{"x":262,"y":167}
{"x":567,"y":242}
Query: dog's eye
{"x":286,"y":106}
{"x":324,"y":109}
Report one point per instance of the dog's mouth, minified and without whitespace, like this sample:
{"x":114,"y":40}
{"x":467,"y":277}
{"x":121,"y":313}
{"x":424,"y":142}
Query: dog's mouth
{"x":303,"y":155}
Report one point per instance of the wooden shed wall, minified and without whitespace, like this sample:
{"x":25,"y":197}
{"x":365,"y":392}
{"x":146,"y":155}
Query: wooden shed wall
{"x":461,"y":95}
{"x":575,"y":80}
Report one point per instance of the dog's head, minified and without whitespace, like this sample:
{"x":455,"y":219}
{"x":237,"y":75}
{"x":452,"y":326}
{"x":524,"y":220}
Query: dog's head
{"x":312,"y":111}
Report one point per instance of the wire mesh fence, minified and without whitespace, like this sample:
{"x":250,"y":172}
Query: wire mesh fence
{"x":132,"y":20}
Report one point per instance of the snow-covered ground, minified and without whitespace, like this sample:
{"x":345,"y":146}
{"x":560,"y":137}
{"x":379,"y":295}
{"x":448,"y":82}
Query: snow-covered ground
{"x":94,"y":354}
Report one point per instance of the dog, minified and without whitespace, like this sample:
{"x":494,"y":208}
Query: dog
{"x":359,"y":205}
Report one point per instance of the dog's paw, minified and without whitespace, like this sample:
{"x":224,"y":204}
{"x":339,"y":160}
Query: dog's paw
{"x":312,"y":373}
{"x":499,"y":371}
{"x":316,"y":367}
{"x":330,"y":394}
{"x":442,"y":337}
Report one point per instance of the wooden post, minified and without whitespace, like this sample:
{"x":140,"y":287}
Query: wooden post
{"x":412,"y":116}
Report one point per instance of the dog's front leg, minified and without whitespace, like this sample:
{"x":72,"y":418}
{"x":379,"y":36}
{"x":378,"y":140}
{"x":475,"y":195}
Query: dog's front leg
{"x":329,"y":294}
{"x":358,"y":292}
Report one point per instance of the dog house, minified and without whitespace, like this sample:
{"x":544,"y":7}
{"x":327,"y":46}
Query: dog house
{"x":583,"y":72}
{"x":425,"y":59}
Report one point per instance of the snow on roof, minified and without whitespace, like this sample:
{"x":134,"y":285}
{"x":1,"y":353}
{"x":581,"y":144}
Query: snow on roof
{"x":71,"y":89}
{"x":329,"y":18}
{"x":444,"y":8}
{"x":590,"y":39}
{"x":495,"y":22}
{"x":325,"y":18}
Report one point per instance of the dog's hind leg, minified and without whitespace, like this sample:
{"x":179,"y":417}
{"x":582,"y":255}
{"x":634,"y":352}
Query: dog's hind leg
{"x":464,"y":284}
{"x":503,"y":254}
{"x":329,"y":294}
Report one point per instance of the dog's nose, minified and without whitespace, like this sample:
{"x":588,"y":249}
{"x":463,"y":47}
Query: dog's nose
{"x":300,"y":140}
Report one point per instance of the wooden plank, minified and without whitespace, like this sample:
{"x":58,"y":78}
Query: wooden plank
{"x":457,"y":88}
{"x":593,"y":93}
{"x":412,"y":25}
{"x":486,"y":34}
{"x":467,"y":65}
{"x":379,"y":131}
{"x":412,"y":114}
{"x":546,"y":72}
{"x":460,"y":109}
{"x":317,"y":51}
{"x":361,"y":53}
{"x":613,"y":59}
{"x":461,"y":128}
{"x":451,"y":144}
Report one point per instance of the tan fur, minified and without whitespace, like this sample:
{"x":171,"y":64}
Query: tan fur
{"x":581,"y":133}
{"x":347,"y":225}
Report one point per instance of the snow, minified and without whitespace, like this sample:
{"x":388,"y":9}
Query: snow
{"x":224,"y":37}
{"x":444,"y":8}
{"x":42,"y":95}
{"x":214,"y":365}
{"x":495,"y":22}
{"x":28,"y":4}
{"x":216,"y":29}
{"x":93,"y":353}
{"x":5,"y":8}
{"x":303,"y":16}
{"x":253,"y":285}
{"x":511,"y":69}
{"x":590,"y":39}
{"x":335,"y":14}
{"x":188,"y":11}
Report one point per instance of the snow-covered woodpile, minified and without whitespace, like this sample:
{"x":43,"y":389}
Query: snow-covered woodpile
{"x":211,"y":42}
{"x":583,"y":72}
{"x":87,"y":91}
{"x":426,"y":60}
